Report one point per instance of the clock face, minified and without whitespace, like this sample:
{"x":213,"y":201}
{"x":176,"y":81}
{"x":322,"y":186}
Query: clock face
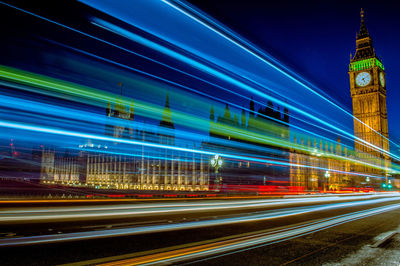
{"x":363,"y":79}
{"x":382,"y":79}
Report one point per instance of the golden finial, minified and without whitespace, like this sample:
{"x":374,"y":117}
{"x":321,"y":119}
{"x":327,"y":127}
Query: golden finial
{"x":362,"y":14}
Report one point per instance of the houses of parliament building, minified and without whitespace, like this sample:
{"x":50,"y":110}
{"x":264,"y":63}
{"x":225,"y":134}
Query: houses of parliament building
{"x":313,"y":164}
{"x":139,"y":167}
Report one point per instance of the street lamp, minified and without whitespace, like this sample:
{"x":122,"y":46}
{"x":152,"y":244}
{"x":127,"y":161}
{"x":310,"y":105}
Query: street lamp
{"x":327,"y":175}
{"x":389,"y":185}
{"x":216,"y":162}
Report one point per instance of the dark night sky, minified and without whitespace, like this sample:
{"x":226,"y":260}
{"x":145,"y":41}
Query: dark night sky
{"x":315,"y":38}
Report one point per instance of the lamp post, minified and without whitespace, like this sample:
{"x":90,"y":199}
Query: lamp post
{"x":388,"y":179}
{"x":327,"y":175}
{"x":216,"y":162}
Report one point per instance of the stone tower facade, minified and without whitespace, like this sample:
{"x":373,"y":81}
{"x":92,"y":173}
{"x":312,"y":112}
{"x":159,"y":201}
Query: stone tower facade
{"x":368,"y":92}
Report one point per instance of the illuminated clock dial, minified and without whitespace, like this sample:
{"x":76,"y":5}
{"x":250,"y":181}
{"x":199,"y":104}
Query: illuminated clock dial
{"x":363,"y":79}
{"x":382,"y":79}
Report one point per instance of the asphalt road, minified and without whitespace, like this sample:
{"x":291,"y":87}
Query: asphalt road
{"x":294,"y":231}
{"x":340,"y":245}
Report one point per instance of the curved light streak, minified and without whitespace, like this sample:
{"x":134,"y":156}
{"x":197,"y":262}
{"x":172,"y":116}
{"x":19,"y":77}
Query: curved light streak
{"x":198,"y":224}
{"x":259,"y":93}
{"x":261,"y":57}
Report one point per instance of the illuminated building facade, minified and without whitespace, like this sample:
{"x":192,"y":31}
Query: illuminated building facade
{"x":321,"y":166}
{"x":135,"y":167}
{"x":368,"y":92}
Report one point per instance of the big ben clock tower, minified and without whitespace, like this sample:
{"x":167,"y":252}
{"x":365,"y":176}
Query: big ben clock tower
{"x":368,"y":92}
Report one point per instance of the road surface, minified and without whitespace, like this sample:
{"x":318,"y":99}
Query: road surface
{"x":292,"y":230}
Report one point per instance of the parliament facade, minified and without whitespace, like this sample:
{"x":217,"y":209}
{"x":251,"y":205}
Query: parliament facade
{"x":141,"y":167}
{"x":302,"y":164}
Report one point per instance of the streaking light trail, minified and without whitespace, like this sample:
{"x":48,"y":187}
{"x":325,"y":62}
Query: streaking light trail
{"x":188,"y":225}
{"x":218,"y":74}
{"x":95,"y":95}
{"x":148,"y":62}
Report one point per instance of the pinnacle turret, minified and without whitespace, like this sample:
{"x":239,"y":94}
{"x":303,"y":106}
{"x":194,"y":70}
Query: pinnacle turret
{"x":167,"y":115}
{"x":364,"y":47}
{"x":227,"y":114}
{"x":363,"y":33}
{"x":212,"y":115}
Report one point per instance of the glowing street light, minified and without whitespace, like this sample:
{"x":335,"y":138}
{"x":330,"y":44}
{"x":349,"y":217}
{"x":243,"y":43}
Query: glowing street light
{"x":217,"y":162}
{"x":327,"y":175}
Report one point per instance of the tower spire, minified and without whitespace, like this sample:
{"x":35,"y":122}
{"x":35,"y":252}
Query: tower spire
{"x":363,"y":29}
{"x":167,"y":116}
{"x":252,"y":107}
{"x":227,"y":114}
{"x":364,"y":47}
